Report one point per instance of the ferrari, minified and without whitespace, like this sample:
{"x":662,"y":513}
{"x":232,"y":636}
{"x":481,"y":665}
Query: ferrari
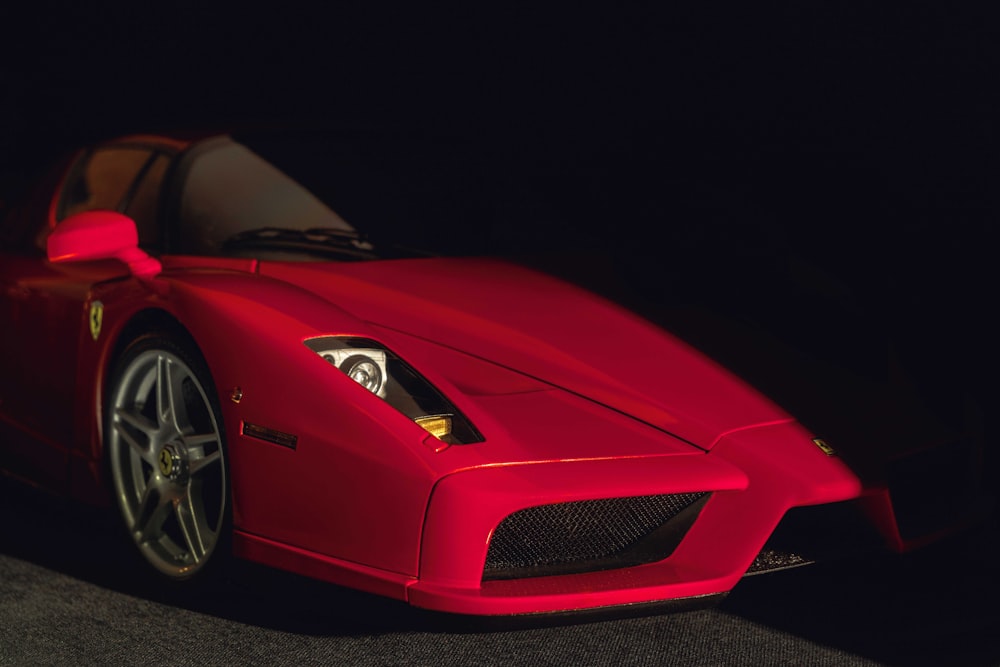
{"x":212,"y":338}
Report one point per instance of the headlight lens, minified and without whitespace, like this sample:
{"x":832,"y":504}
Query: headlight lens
{"x":366,"y":367}
{"x":382,"y":372}
{"x":365,"y":371}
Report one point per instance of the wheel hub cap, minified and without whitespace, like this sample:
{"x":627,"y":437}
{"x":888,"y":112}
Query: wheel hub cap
{"x":173,"y":462}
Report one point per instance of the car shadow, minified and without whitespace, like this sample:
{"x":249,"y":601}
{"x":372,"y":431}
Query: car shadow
{"x":932,"y":606}
{"x":88,"y":544}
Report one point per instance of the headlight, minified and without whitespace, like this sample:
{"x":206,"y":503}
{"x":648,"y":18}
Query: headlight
{"x":366,"y":367}
{"x":380,"y":371}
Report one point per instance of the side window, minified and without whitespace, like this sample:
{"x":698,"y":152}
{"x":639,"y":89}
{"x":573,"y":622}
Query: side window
{"x":121,"y":178}
{"x":102,"y":181}
{"x":144,"y":203}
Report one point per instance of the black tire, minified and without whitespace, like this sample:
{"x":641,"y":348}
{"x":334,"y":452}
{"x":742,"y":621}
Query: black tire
{"x":166,"y":456}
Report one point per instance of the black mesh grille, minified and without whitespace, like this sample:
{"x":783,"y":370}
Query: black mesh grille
{"x":817,"y":533}
{"x":590,"y":535}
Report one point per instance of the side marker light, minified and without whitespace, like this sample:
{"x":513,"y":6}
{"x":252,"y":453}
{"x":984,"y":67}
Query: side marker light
{"x":825,"y":448}
{"x":437,"y":425}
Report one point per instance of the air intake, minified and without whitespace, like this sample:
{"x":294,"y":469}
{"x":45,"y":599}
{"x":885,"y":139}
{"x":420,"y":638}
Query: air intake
{"x":590,"y":535}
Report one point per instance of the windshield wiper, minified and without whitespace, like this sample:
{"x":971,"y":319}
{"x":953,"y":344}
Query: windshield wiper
{"x":318,"y":240}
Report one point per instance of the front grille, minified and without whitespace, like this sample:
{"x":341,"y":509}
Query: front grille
{"x":817,"y":533}
{"x":769,"y":560}
{"x":590,"y":535}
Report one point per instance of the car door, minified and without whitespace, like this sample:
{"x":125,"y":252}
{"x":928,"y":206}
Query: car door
{"x":46,"y":309}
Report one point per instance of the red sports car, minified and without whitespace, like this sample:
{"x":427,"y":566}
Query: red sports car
{"x":195,"y":336}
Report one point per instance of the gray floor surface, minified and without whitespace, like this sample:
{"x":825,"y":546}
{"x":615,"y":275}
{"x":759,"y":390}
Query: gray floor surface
{"x":69,"y":595}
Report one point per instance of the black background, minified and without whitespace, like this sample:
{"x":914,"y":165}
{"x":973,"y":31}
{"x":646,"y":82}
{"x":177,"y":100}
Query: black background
{"x":804,"y":190}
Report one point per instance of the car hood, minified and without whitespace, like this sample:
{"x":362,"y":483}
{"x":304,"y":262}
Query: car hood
{"x":545,"y":328}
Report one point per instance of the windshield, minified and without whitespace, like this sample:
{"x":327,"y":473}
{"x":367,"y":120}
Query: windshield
{"x":321,"y":196}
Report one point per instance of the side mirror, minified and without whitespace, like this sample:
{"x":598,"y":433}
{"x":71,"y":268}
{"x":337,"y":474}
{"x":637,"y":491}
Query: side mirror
{"x":94,"y":235}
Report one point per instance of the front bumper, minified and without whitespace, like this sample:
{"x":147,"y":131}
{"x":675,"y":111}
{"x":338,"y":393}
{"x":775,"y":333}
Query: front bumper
{"x":753,"y":476}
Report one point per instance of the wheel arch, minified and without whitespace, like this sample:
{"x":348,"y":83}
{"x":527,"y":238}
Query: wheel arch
{"x":143,"y":322}
{"x":88,"y":475}
{"x":149,"y":320}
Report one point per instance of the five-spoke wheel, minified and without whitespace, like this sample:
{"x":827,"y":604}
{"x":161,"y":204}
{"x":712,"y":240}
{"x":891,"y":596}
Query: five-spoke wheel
{"x":166,"y":454}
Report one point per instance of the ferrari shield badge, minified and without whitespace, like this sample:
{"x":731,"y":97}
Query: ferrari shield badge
{"x":825,"y":448}
{"x":96,"y":318}
{"x":166,"y":462}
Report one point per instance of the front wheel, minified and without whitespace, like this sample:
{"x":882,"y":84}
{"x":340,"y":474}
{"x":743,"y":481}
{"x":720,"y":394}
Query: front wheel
{"x":166,"y":454}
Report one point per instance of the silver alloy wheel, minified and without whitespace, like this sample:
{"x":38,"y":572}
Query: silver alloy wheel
{"x":166,"y":457}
